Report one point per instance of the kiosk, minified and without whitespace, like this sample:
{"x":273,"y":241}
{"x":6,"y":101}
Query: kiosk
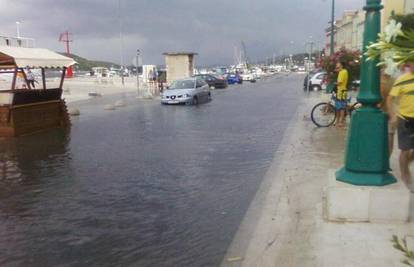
{"x":24,"y":109}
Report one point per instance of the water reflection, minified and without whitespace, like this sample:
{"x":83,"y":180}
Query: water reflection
{"x":20,"y":157}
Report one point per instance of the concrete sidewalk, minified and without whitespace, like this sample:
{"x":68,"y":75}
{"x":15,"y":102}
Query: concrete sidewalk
{"x":284,"y":225}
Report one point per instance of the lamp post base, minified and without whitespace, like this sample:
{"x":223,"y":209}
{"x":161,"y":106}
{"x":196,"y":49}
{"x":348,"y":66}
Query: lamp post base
{"x":377,"y":204}
{"x":367,"y":179}
{"x":366,"y":157}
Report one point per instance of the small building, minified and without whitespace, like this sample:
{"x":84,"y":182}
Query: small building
{"x":179,"y":65}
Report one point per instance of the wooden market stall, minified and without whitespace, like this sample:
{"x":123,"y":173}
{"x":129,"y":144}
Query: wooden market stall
{"x":23,"y":109}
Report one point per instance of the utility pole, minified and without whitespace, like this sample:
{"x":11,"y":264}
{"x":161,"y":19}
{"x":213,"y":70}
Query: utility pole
{"x":137,"y":65}
{"x":309,"y":64}
{"x":121,"y":42}
{"x":332,"y":28}
{"x":18,"y":28}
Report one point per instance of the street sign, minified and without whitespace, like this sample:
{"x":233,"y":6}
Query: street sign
{"x":134,"y":61}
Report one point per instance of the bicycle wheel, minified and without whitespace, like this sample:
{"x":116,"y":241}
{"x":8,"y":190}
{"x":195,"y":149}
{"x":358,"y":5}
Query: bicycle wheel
{"x":323,"y":114}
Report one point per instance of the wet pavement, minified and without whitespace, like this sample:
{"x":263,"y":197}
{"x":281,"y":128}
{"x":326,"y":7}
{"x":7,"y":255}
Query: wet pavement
{"x":144,"y":185}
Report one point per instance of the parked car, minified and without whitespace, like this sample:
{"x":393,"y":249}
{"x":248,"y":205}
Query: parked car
{"x":316,"y":81}
{"x":301,"y":69}
{"x":248,"y":77}
{"x":354,"y":85}
{"x":213,"y":81}
{"x":233,"y":78}
{"x":186,"y":91}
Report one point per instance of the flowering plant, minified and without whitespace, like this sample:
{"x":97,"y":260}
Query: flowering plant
{"x":351,"y":60}
{"x":395,"y":45}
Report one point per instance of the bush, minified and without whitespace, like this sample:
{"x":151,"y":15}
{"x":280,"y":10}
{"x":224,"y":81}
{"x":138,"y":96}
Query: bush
{"x":351,"y":60}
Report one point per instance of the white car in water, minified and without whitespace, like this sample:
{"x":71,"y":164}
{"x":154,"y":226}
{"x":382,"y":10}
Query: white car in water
{"x":186,"y":91}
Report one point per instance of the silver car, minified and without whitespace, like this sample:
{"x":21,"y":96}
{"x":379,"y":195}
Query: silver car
{"x":186,"y":91}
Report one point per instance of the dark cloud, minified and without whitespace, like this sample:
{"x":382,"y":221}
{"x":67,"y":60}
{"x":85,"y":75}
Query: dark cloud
{"x":210,"y":27}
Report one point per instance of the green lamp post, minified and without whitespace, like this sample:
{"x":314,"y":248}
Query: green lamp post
{"x":366,"y":156}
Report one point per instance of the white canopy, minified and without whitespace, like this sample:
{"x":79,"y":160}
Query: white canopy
{"x":32,"y":57}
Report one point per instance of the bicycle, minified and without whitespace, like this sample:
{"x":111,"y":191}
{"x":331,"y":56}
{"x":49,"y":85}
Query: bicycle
{"x":324,"y":114}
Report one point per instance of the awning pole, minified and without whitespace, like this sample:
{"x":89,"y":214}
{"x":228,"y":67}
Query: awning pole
{"x":14,"y":79}
{"x":63,"y":77}
{"x":43,"y":78}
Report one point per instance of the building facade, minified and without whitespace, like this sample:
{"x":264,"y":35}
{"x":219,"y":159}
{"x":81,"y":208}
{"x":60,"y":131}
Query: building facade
{"x":349,"y":29}
{"x":348,"y":32}
{"x":397,"y":7}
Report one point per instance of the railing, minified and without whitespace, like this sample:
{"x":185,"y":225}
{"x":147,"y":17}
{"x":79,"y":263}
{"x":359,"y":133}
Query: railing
{"x":17,"y":41}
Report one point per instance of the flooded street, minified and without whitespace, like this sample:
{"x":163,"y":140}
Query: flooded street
{"x":144,"y":185}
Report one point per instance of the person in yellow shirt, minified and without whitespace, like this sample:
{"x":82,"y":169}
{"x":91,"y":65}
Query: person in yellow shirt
{"x":341,"y":95}
{"x":403,"y":90}
{"x":387,"y":82}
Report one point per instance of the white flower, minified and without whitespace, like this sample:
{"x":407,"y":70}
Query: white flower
{"x":391,"y":68}
{"x":389,"y":55}
{"x":392,"y":30}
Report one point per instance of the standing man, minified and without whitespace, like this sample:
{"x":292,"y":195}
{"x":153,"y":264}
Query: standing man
{"x":341,"y":96}
{"x":403,"y":90}
{"x":30,"y":78}
{"x":149,"y":79}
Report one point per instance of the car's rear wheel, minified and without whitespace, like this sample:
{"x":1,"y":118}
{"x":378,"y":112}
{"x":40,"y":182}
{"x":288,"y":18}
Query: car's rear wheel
{"x":195,"y":100}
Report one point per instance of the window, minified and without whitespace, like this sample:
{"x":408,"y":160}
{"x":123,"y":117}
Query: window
{"x":320,"y":76}
{"x":199,"y":83}
{"x":182,"y":84}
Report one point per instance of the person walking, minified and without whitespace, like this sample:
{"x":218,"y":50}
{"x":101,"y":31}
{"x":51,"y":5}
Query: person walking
{"x":387,"y":82}
{"x":403,"y":90}
{"x":341,"y":95}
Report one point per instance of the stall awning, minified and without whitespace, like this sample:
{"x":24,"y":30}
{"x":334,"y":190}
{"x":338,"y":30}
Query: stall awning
{"x":22,"y":57}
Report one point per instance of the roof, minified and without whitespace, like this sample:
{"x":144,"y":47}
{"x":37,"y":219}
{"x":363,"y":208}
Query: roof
{"x":32,"y":57}
{"x":179,"y":54}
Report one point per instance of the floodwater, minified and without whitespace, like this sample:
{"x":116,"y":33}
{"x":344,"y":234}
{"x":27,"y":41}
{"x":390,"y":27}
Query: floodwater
{"x":144,"y":185}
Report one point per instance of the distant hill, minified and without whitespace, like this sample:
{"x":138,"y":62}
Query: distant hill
{"x":86,"y":64}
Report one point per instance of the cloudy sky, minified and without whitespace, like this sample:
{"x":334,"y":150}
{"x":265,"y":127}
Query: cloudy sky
{"x":210,"y":27}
